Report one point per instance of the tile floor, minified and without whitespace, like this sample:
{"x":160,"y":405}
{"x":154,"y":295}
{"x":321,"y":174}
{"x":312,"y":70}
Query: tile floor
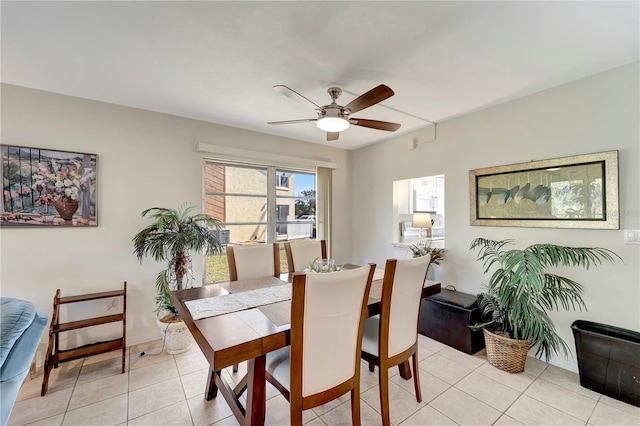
{"x":457,"y":389}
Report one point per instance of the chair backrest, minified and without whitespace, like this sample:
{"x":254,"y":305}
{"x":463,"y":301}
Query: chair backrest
{"x":327,"y":319}
{"x":301,"y":253}
{"x":253,"y":261}
{"x":400,"y":303}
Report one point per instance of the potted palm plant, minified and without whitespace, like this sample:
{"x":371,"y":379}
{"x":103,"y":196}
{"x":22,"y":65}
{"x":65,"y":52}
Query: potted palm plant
{"x":435,"y":253}
{"x":520,"y":293}
{"x":172,"y":236}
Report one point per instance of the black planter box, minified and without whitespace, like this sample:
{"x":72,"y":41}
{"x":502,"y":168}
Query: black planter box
{"x":446,"y":317}
{"x":608,"y":360}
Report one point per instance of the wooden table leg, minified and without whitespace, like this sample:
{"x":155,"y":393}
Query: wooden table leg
{"x":256,"y":392}
{"x":211,"y":390}
{"x":405,"y":371}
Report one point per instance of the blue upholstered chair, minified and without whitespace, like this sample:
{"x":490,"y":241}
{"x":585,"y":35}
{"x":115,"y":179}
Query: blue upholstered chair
{"x":21,"y":328}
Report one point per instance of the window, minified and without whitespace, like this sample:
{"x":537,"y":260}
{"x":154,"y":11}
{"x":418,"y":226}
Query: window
{"x":282,"y":180}
{"x":258,"y":205}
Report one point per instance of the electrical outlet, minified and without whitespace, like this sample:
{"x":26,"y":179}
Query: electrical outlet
{"x":113,"y":303}
{"x":631,"y":236}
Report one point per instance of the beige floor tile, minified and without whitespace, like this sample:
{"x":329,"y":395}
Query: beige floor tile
{"x":487,"y":390}
{"x":428,"y":416}
{"x":152,"y":374}
{"x":505,"y":420}
{"x":402,"y":404}
{"x":444,"y":368}
{"x":605,"y":414}
{"x":278,"y":412}
{"x":368,"y":379}
{"x":153,"y":356}
{"x":461,"y":358}
{"x":191,"y":362}
{"x":101,"y":369}
{"x":430,"y":344}
{"x":567,"y":379}
{"x":111,"y":411}
{"x":194,"y":383}
{"x":176,"y":414}
{"x":60,"y":378}
{"x":98,"y":390}
{"x":155,"y":397}
{"x":534,"y":366}
{"x":51,"y":421}
{"x":153,"y":346}
{"x":533,"y":412}
{"x":572,"y":403}
{"x":227,"y":421}
{"x":475,"y":412}
{"x":205,"y":412}
{"x":430,"y":385}
{"x":316,"y":422}
{"x":325,"y":408}
{"x":631,"y":409}
{"x":341,"y":415}
{"x":518,"y":381}
{"x":38,"y":408}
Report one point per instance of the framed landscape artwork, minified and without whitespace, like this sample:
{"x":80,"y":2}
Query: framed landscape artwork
{"x":43,"y":187}
{"x":570,"y":192}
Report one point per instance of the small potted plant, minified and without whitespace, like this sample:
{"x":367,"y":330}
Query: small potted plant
{"x":520,"y":293}
{"x":437,"y":254}
{"x":171,"y":237}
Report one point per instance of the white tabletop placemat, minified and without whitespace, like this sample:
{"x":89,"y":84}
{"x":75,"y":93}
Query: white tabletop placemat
{"x":220,"y":305}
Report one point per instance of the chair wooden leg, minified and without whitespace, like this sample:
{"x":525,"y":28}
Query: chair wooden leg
{"x":296,"y":414}
{"x":383,"y":375}
{"x":416,"y":377}
{"x":235,"y":368}
{"x":372,"y":366}
{"x":355,"y":407}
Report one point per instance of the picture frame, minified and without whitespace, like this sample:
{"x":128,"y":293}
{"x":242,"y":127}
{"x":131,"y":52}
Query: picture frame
{"x":46,"y":187}
{"x":570,"y":192}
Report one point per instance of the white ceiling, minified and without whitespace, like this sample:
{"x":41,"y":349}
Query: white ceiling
{"x":218,"y":61}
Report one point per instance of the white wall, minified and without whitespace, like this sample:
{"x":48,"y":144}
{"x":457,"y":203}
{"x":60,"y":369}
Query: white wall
{"x":145,"y":159}
{"x":595,"y":114}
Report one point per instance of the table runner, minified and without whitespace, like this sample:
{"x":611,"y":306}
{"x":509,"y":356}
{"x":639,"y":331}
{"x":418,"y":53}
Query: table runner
{"x":219,"y":305}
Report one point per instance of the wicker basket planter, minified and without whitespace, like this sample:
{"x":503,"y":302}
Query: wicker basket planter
{"x":507,"y":354}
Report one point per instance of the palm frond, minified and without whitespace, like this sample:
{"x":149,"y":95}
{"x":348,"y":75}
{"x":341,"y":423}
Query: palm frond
{"x":173,"y":234}
{"x":520,"y":291}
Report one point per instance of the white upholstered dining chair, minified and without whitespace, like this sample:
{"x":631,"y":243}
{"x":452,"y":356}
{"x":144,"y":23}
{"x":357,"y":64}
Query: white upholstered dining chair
{"x":391,"y":338}
{"x":253,"y":261}
{"x":301,"y":253}
{"x":323,"y":361}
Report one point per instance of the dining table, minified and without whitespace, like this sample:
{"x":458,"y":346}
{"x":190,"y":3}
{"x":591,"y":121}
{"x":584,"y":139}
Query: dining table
{"x":244,"y":320}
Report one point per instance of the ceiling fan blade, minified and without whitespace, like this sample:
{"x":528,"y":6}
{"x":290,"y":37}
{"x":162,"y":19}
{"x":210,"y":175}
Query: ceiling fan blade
{"x":304,"y":120}
{"x":290,"y":93}
{"x":332,"y":136}
{"x":375,"y":124}
{"x":372,"y":97}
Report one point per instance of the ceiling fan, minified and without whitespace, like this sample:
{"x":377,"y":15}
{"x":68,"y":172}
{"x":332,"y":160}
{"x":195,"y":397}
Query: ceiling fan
{"x":334,"y":118}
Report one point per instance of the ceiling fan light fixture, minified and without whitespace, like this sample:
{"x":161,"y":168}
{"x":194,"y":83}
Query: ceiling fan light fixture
{"x":332,"y":124}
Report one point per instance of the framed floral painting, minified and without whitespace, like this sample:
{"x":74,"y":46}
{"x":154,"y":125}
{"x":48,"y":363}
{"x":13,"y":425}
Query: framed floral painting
{"x":43,"y":187}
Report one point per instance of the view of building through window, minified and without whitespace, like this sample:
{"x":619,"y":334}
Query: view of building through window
{"x":258,"y":205}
